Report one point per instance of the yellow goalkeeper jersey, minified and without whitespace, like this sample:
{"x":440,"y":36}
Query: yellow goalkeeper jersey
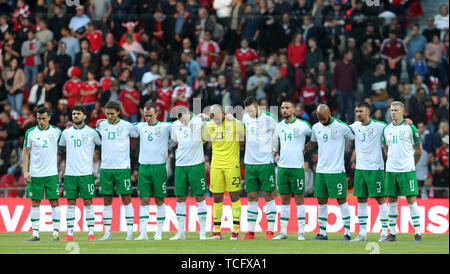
{"x":225,"y":142}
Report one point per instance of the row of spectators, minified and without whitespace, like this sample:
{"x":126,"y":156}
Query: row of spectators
{"x":170,"y":52}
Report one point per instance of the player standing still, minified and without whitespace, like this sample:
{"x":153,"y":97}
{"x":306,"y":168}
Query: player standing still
{"x":152,"y":176}
{"x":225,"y":137}
{"x":115,"y":166}
{"x":79,"y":141}
{"x":260,"y":147}
{"x":291,"y":174}
{"x":330,"y":180}
{"x":369,"y":171}
{"x":189,"y":168}
{"x":403,"y":148}
{"x":40,"y":152}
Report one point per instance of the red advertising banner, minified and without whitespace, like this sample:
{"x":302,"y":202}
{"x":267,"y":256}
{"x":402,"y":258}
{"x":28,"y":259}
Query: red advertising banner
{"x":14,"y":216}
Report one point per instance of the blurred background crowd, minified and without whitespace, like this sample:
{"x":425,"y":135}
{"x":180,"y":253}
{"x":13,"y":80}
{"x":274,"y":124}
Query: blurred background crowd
{"x":59,"y":53}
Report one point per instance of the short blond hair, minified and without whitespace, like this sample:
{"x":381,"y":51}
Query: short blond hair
{"x":399,"y":104}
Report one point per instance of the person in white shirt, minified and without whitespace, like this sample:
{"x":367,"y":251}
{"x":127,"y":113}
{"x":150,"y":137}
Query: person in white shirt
{"x":152,"y":178}
{"x":441,"y":20}
{"x":79,"y":21}
{"x":369,"y":171}
{"x":260,"y":146}
{"x":79,"y":141}
{"x":115,"y":166}
{"x":330,"y":134}
{"x":40,"y":170}
{"x":292,"y":133}
{"x":189,"y":168}
{"x":403,"y":148}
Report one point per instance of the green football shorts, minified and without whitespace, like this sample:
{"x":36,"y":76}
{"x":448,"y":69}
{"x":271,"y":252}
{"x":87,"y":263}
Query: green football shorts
{"x":291,"y":180}
{"x":330,"y":185}
{"x":120,"y":178}
{"x":369,"y":183}
{"x":401,"y":184}
{"x":79,"y":186}
{"x":190,"y":176}
{"x":152,"y":181}
{"x":43,"y":185}
{"x":259,"y":177}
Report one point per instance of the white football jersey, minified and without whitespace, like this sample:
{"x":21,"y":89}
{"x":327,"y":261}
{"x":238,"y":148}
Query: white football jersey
{"x":153,"y":142}
{"x":368,"y":146}
{"x":80,"y":146}
{"x":260,"y":140}
{"x":331,"y":142}
{"x":292,"y":142}
{"x":400,"y":140}
{"x":116,"y":144}
{"x":43,"y":146}
{"x":190,"y":142}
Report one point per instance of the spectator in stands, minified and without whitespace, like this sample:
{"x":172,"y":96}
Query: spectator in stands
{"x":10,"y":47}
{"x":100,"y":11}
{"x":129,"y":101}
{"x":50,"y":53}
{"x":9,"y":130}
{"x":418,"y":65}
{"x":440,"y":165}
{"x":111,"y":49}
{"x":78,"y":23}
{"x":434,"y":52}
{"x":183,"y":25}
{"x":441,"y":20}
{"x":313,"y":56}
{"x":257,"y":83}
{"x":14,"y":79}
{"x":53,"y":80}
{"x":31,"y":58}
{"x":245,"y":56}
{"x":182,"y":93}
{"x":377,"y":89}
{"x":38,"y":92}
{"x":90,"y":91}
{"x":84,"y":48}
{"x":393,"y":50}
{"x":72,"y":88}
{"x":95,"y":38}
{"x":63,"y":60}
{"x":44,"y":35}
{"x":417,"y":84}
{"x":208,"y":51}
{"x":430,"y":30}
{"x":72,"y":43}
{"x":415,"y":42}
{"x":111,"y":94}
{"x":344,"y":82}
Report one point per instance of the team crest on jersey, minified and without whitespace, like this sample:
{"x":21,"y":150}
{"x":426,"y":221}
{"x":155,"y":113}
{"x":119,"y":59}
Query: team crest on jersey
{"x":84,"y":138}
{"x":51,"y":139}
{"x":157,"y":131}
{"x":333,"y":134}
{"x":296,"y":132}
{"x":119,"y":131}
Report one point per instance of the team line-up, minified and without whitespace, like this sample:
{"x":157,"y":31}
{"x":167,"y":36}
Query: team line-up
{"x":267,"y":143}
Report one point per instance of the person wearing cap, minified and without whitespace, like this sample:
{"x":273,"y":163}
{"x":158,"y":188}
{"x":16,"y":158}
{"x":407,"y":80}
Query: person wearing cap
{"x":79,"y":21}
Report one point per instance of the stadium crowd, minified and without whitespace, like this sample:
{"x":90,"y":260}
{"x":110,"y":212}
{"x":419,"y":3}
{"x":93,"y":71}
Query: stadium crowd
{"x":169,"y":52}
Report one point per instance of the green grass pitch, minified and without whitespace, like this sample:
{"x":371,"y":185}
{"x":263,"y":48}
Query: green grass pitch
{"x":15,"y":243}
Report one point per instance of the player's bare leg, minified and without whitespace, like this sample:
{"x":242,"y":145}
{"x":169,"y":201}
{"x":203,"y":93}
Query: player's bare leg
{"x":300,"y":202}
{"x":323,"y":217}
{"x":181,"y":218}
{"x":107,"y":216}
{"x":143,"y":218}
{"x":35,"y":218}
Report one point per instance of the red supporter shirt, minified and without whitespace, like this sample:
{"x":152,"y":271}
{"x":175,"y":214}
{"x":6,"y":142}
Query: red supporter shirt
{"x":129,"y":106}
{"x":105,"y":83}
{"x":297,"y":54}
{"x":74,"y":87}
{"x":95,"y":40}
{"x":90,"y":86}
{"x":29,"y":61}
{"x":178,"y":91}
{"x":247,"y":55}
{"x":442,"y":154}
{"x":308,"y":94}
{"x":429,"y":112}
{"x":392,"y":49}
{"x":211,"y":46}
{"x":165,"y":95}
